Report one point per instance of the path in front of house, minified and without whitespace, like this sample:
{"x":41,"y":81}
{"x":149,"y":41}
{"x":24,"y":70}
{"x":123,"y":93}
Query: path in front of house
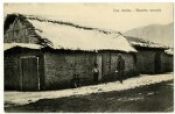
{"x":21,"y":98}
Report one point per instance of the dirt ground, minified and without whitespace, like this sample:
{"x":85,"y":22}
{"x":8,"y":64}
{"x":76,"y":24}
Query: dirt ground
{"x":152,"y":98}
{"x":16,"y":98}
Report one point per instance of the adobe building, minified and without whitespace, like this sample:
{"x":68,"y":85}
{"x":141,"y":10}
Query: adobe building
{"x":42,"y":54}
{"x":151,"y":57}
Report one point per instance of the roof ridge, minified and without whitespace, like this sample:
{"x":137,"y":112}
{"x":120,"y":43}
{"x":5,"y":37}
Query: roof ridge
{"x":43,"y":19}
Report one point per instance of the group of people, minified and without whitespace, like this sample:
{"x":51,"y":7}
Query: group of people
{"x":120,"y":71}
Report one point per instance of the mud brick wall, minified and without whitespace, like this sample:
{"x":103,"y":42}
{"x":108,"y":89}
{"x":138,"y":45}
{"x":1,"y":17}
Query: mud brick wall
{"x":130,"y":64}
{"x":11,"y":72}
{"x":60,"y":68}
{"x":110,"y":61}
{"x":145,"y":61}
{"x":166,"y":63}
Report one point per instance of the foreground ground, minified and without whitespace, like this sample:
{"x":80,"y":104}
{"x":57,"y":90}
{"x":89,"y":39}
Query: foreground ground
{"x":156,"y":97}
{"x":143,"y":93}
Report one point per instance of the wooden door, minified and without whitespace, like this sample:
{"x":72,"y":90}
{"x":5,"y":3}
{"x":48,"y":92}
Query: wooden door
{"x":99,"y":62}
{"x":30,"y":79}
{"x":106,"y":63}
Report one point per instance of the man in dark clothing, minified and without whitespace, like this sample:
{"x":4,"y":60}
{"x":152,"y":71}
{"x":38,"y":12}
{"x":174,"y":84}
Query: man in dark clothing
{"x":95,"y":72}
{"x":121,"y":68}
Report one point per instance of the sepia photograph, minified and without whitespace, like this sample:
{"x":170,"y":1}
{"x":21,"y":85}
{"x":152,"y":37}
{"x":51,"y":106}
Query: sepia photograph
{"x":88,"y":57}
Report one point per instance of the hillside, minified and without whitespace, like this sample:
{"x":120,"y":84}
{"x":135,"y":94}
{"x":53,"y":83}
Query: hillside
{"x":156,"y":33}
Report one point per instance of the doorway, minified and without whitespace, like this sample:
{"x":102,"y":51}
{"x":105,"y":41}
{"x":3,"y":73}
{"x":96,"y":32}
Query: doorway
{"x":30,"y":80}
{"x":158,"y":62}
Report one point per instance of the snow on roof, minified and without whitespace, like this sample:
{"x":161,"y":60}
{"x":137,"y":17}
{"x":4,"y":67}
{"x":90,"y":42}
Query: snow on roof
{"x":144,"y":43}
{"x":169,"y":51}
{"x":8,"y":46}
{"x":74,"y":37}
{"x":148,"y":45}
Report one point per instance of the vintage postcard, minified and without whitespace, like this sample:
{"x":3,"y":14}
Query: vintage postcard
{"x":88,"y":57}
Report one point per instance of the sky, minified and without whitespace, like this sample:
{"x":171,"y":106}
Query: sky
{"x":114,"y":16}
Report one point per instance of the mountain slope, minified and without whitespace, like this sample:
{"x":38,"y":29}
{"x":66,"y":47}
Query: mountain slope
{"x":156,"y":33}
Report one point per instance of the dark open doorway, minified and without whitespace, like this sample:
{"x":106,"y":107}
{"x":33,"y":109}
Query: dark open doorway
{"x":158,"y":62}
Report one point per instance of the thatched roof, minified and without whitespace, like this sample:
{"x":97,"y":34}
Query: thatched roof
{"x":65,"y":35}
{"x":144,"y":43}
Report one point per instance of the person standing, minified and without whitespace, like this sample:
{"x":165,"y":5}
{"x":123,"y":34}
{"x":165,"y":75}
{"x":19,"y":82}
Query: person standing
{"x":121,"y":68}
{"x":75,"y":81}
{"x":95,"y":72}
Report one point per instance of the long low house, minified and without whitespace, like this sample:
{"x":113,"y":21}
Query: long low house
{"x":42,"y":54}
{"x":152,"y":57}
